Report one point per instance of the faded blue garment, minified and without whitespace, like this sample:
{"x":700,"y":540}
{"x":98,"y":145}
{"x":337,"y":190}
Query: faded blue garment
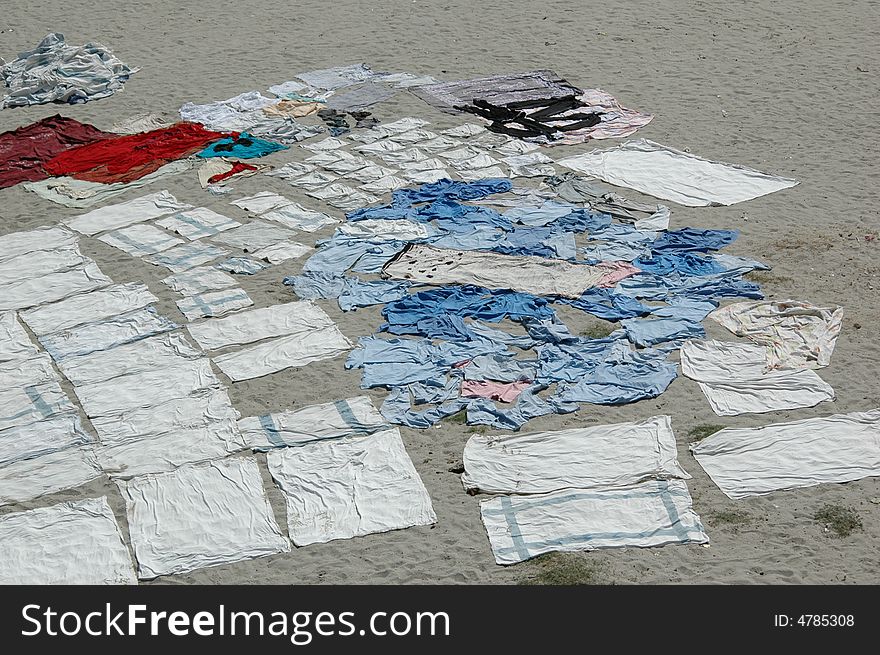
{"x":243,"y":147}
{"x":500,"y":368}
{"x":694,"y":239}
{"x":727,"y":284}
{"x":691,"y":309}
{"x":614,"y":252}
{"x":528,"y":405}
{"x":538,"y":216}
{"x":608,"y":304}
{"x":397,"y":409}
{"x":650,"y":331}
{"x":350,"y":292}
{"x":548,"y":330}
{"x":621,"y":379}
{"x":340,"y":253}
{"x":473,"y":237}
{"x":465,"y":301}
{"x":571,"y":362}
{"x":482,"y":330}
{"x":731,"y":262}
{"x":685,"y":263}
{"x":436,"y":391}
{"x":623,"y":233}
{"x":316,"y":285}
{"x":538,"y":242}
{"x":450,"y":189}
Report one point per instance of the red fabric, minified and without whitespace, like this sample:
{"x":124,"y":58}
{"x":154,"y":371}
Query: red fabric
{"x":129,"y":157}
{"x":24,"y":151}
{"x":237,"y":167}
{"x":506,"y":392}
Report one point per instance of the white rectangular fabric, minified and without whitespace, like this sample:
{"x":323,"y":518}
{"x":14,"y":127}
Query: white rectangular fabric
{"x":254,"y":236}
{"x":601,"y":456}
{"x":414,"y":136}
{"x":168,"y":451}
{"x":734,"y":380}
{"x":341,"y":418}
{"x":652,"y":513}
{"x":155,"y":352}
{"x":42,"y":238}
{"x":246,"y":327}
{"x":184,"y":257}
{"x":140,"y":240}
{"x":14,"y":341}
{"x":54,"y":286}
{"x":261,"y":202}
{"x":199,"y":280}
{"x":72,"y":543}
{"x":386,"y":230}
{"x":282,"y":251}
{"x":48,"y":435}
{"x":123,"y":214}
{"x":330,"y":143}
{"x":440,"y":144}
{"x":465,"y":130}
{"x":203,"y":408}
{"x":284,"y":352}
{"x":675,"y":175}
{"x":351,"y":201}
{"x":471,"y":175}
{"x":380,"y":147}
{"x":297,"y":217}
{"x":31,"y":478}
{"x":200,"y":515}
{"x":33,"y":403}
{"x":537,"y":275}
{"x":747,"y":462}
{"x":41,"y":262}
{"x":481,"y":161}
{"x":371,"y":174}
{"x":146,"y":389}
{"x":197,"y":223}
{"x":291,"y":170}
{"x":386,"y":184}
{"x":102,"y":335}
{"x":427,"y":177}
{"x":350,"y":487}
{"x":797,"y":334}
{"x":25,"y":372}
{"x":214,"y":303}
{"x":88,"y":308}
{"x":403,"y":156}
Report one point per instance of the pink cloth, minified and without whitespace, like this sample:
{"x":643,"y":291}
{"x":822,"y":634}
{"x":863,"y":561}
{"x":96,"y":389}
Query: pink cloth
{"x":506,"y":392}
{"x":615,"y":272}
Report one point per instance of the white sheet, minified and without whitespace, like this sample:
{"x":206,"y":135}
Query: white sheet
{"x":747,"y":462}
{"x":42,"y":238}
{"x":102,"y":335}
{"x":675,"y":175}
{"x":197,"y":223}
{"x":341,"y":418}
{"x":652,"y":513}
{"x":41,"y":262}
{"x":77,"y":542}
{"x":51,"y":287}
{"x":297,"y":217}
{"x":152,"y":353}
{"x":14,"y":341}
{"x":113,"y":217}
{"x":284,"y":352}
{"x":254,"y":236}
{"x":199,"y":410}
{"x":594,"y":457}
{"x":246,"y":327}
{"x":214,"y":303}
{"x":140,"y":240}
{"x":200,"y":515}
{"x":386,"y":230}
{"x":199,"y":280}
{"x":45,"y":436}
{"x":186,"y":256}
{"x":537,"y":275}
{"x":733,"y":378}
{"x":797,"y":334}
{"x":146,"y":389}
{"x":168,"y":451}
{"x":282,"y":251}
{"x":31,"y":478}
{"x":350,"y":487}
{"x":261,"y":202}
{"x":88,"y":308}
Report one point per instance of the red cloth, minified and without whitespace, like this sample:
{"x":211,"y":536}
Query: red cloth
{"x":129,"y":157}
{"x":237,"y":167}
{"x":24,"y":151}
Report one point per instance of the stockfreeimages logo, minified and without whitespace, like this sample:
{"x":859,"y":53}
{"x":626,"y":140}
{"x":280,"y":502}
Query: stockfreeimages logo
{"x":299,"y":627}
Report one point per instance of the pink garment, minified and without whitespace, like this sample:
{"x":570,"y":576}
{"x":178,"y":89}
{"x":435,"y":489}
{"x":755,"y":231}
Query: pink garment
{"x":506,"y":392}
{"x":615,"y":272}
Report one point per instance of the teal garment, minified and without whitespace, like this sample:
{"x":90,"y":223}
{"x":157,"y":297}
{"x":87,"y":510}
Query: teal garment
{"x":244,"y":146}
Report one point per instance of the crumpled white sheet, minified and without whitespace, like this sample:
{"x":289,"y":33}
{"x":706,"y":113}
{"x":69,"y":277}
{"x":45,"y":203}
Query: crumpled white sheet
{"x":142,"y":122}
{"x":200,"y":515}
{"x":255,"y":235}
{"x":199,"y":280}
{"x":652,"y":513}
{"x":31,"y":478}
{"x":674,"y":175}
{"x":600,"y":456}
{"x":39,"y":263}
{"x":46,"y":435}
{"x":537,"y":275}
{"x":796,"y":334}
{"x":123,"y":214}
{"x":140,"y":240}
{"x":57,"y":72}
{"x":386,"y":230}
{"x":77,"y":542}
{"x":197,"y":223}
{"x":238,"y":113}
{"x":282,"y":251}
{"x":350,"y":487}
{"x":14,"y":341}
{"x":747,"y":462}
{"x":261,"y":202}
{"x":88,"y":308}
{"x":297,"y":217}
{"x":734,"y":379}
{"x":30,"y":292}
{"x":214,"y":303}
{"x":341,"y":418}
{"x":186,"y":256}
{"x":41,"y":238}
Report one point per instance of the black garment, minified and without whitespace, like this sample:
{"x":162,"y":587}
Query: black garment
{"x":550,"y":115}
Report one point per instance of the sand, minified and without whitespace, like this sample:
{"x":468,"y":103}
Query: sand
{"x":786,"y":87}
